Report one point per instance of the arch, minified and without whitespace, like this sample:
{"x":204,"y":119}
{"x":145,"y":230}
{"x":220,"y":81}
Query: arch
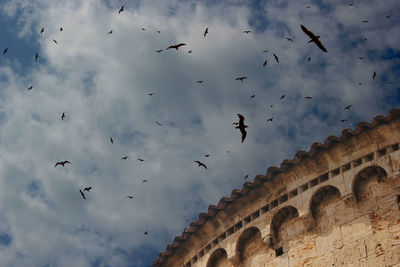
{"x":282,"y":215}
{"x":219,"y":258}
{"x":366,"y":178}
{"x":323,"y":196}
{"x":248,"y":240}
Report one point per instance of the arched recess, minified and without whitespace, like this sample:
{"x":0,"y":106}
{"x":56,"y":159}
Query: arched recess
{"x":366,"y":181}
{"x":320,"y":204}
{"x":219,"y":258}
{"x":284,"y":227}
{"x":248,"y":244}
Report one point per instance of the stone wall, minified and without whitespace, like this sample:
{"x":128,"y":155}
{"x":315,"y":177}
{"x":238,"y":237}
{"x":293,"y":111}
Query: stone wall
{"x":339,"y":207}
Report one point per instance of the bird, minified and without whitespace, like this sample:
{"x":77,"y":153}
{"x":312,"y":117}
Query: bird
{"x":36,"y":57}
{"x":55,"y":41}
{"x":141,"y":160}
{"x":283,"y":96}
{"x":308,"y":6}
{"x":121,"y":9}
{"x":200,"y":81}
{"x":360,"y":58}
{"x":87,"y":188}
{"x":159,"y":31}
{"x":359,"y":83}
{"x":265,"y":63}
{"x":143,"y":29}
{"x":144,"y":181}
{"x":242,"y":127}
{"x":247,"y":176}
{"x":159,"y":124}
{"x":5,"y":51}
{"x":62,"y":163}
{"x":124,"y":158}
{"x":247,"y":31}
{"x":364,"y":21}
{"x":265,"y":51}
{"x":270,"y":119}
{"x":276,"y":58}
{"x":252,"y":96}
{"x":42,"y":31}
{"x":130,"y":197}
{"x":110,"y":32}
{"x":374,"y":75}
{"x":62,"y":116}
{"x":190,"y":51}
{"x":235,"y":123}
{"x":314,"y":38}
{"x":201,"y":164}
{"x":348,"y":107}
{"x":344,"y":120}
{"x":309,"y":59}
{"x":83,"y":195}
{"x":146,"y":233}
{"x":150,"y":94}
{"x":111,"y":140}
{"x":388,"y":16}
{"x":159,"y":51}
{"x":206,"y":155}
{"x":351,"y":4}
{"x":240,"y":78}
{"x":308,"y":97}
{"x":61,"y":29}
{"x":205,"y":32}
{"x":30,"y":87}
{"x":176,"y":46}
{"x":271,"y":106}
{"x":289,"y":39}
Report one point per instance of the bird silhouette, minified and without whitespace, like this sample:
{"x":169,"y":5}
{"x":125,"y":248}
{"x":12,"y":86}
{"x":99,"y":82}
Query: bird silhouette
{"x":146,"y":233}
{"x":265,"y":51}
{"x":308,"y":97}
{"x":42,"y":31}
{"x":247,"y":176}
{"x":289,"y":39}
{"x":309,"y":59}
{"x":159,"y":51}
{"x":150,"y":94}
{"x":110,"y":32}
{"x":130,"y":197}
{"x":200,"y":81}
{"x":55,"y":41}
{"x":240,"y":78}
{"x":252,"y":96}
{"x":374,"y":75}
{"x":265,"y":63}
{"x":141,"y":160}
{"x":144,"y":181}
{"x":30,"y":87}
{"x":247,"y":31}
{"x":206,"y":155}
{"x":158,"y":123}
{"x":190,"y":51}
{"x":121,"y":9}
{"x":344,"y":120}
{"x":62,"y":163}
{"x":276,"y":58}
{"x":365,"y":21}
{"x":270,"y":119}
{"x":36,"y":57}
{"x":176,"y":46}
{"x":82,"y":194}
{"x":5,"y":51}
{"x":360,"y":58}
{"x":201,"y":164}
{"x":143,"y":29}
{"x":283,"y":96}
{"x":87,"y":188}
{"x":242,"y":127}
{"x":124,"y":158}
{"x":348,"y":107}
{"x":205,"y":32}
{"x":388,"y":16}
{"x":61,"y":29}
{"x":111,"y":140}
{"x":314,"y":38}
{"x":159,"y":31}
{"x":63,"y":116}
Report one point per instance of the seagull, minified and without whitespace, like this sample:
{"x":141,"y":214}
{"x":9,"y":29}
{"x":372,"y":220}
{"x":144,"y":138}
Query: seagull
{"x":55,"y":41}
{"x":242,"y":127}
{"x":110,"y":32}
{"x":241,"y":78}
{"x":206,"y":31}
{"x":247,"y":31}
{"x":159,"y":51}
{"x":62,"y":163}
{"x":83,"y":195}
{"x":289,"y":39}
{"x":265,"y":63}
{"x":283,"y":96}
{"x":314,"y":38}
{"x":141,"y":160}
{"x":124,"y":158}
{"x":344,"y":120}
{"x":121,"y":9}
{"x":130,"y":197}
{"x":206,"y":155}
{"x":36,"y":57}
{"x":276,"y":58}
{"x":308,"y":97}
{"x":200,"y":81}
{"x":176,"y":46}
{"x":270,"y":119}
{"x":87,"y":188}
{"x":348,"y":107}
{"x":374,"y":75}
{"x":252,"y":96}
{"x":42,"y":31}
{"x":201,"y":164}
{"x":111,"y":140}
{"x":62,"y":116}
{"x":247,"y":176}
{"x":30,"y":87}
{"x":5,"y":51}
{"x":159,"y":124}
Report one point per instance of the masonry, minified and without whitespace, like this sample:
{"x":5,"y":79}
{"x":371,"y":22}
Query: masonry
{"x":336,"y":205}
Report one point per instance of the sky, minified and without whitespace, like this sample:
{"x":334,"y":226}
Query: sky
{"x":102,"y":82}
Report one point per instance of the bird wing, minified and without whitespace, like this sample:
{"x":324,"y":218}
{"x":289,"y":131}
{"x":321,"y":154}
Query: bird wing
{"x":244,"y":133}
{"x":241,"y":119}
{"x":306,"y":31}
{"x":66,"y":161}
{"x":179,"y":45}
{"x":319,"y":44}
{"x":83,"y":195}
{"x":58,"y":163}
{"x":204,"y":166}
{"x":172,"y":46}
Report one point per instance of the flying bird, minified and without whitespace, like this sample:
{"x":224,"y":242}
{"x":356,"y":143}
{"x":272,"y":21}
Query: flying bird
{"x":42,"y":31}
{"x":247,"y":31}
{"x":265,"y":63}
{"x":143,"y":29}
{"x":309,"y":59}
{"x":270,"y":119}
{"x":235,"y":123}
{"x":190,"y":51}
{"x":141,"y":160}
{"x":289,"y":39}
{"x":5,"y":51}
{"x":146,"y":233}
{"x":374,"y":75}
{"x":159,"y":51}
{"x":308,"y":97}
{"x":276,"y":58}
{"x":121,"y":9}
{"x":111,"y":140}
{"x":252,"y":96}
{"x":348,"y":107}
{"x":388,"y":16}
{"x":61,"y":29}
{"x":83,"y":195}
{"x":360,"y":58}
{"x":144,"y":181}
{"x":62,"y":163}
{"x":55,"y":41}
{"x":36,"y":57}
{"x":200,"y":81}
{"x":247,"y":176}
{"x":351,"y":4}
{"x":365,"y":21}
{"x":87,"y":188}
{"x":206,"y":155}
{"x":344,"y":120}
{"x":30,"y":87}
{"x":150,"y":94}
{"x":176,"y":46}
{"x":159,"y":124}
{"x":201,"y":164}
{"x":159,"y":31}
{"x":110,"y":32}
{"x":283,"y":96}
{"x":241,"y":78}
{"x":62,"y":116}
{"x":206,"y":31}
{"x":242,"y":127}
{"x":124,"y":158}
{"x":130,"y":197}
{"x":314,"y":38}
{"x":265,"y":51}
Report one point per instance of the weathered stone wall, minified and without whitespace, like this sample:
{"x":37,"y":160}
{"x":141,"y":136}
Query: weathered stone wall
{"x":338,"y":208}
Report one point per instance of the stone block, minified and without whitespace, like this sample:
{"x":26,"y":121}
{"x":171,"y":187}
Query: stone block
{"x":327,"y":242}
{"x":356,"y":229}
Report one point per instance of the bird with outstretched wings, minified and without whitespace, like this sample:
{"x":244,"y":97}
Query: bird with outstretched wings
{"x":201,"y":164}
{"x":314,"y":38}
{"x":240,"y":78}
{"x":241,"y":126}
{"x":82,"y":194}
{"x":176,"y":46}
{"x":62,"y":163}
{"x":205,"y":32}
